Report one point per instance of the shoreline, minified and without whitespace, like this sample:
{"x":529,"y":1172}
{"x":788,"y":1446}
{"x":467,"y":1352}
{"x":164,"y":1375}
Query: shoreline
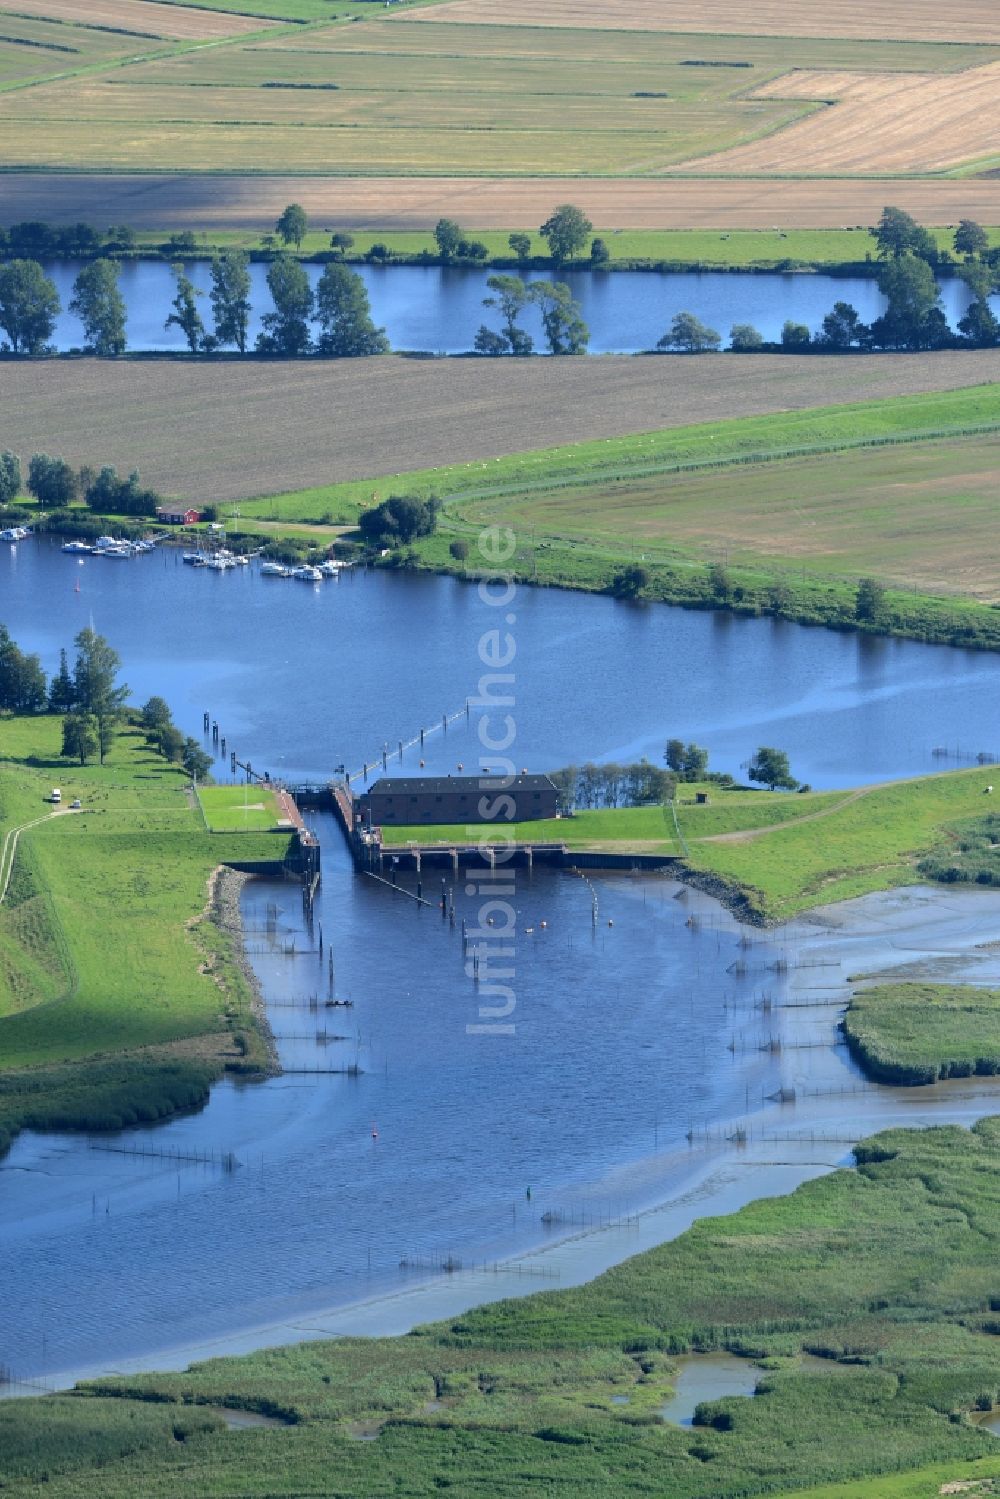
{"x":717,"y":1172}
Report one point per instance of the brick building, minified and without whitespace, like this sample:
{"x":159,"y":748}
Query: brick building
{"x":402,"y":800}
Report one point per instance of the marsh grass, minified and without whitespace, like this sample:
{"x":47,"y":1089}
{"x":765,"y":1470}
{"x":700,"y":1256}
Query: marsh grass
{"x":889,"y":1271}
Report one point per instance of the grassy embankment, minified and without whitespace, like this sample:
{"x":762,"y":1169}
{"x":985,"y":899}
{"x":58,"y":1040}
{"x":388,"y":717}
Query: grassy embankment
{"x":796,"y":506}
{"x":120,"y":994}
{"x":888,"y":1271}
{"x":774,"y":854}
{"x":239,"y":809}
{"x":919,"y":1033}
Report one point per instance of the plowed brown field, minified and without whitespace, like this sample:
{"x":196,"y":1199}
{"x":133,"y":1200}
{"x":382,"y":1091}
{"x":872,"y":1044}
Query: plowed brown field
{"x":872,"y":20}
{"x":232,"y":430}
{"x":889,"y":122}
{"x":253,"y":203}
{"x":142,"y":16}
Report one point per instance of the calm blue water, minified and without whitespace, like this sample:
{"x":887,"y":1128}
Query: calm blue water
{"x":623,"y":1032}
{"x":302,"y":678}
{"x":439,"y":309}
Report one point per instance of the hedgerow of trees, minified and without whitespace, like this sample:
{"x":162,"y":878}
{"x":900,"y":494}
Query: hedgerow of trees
{"x":91,"y":702}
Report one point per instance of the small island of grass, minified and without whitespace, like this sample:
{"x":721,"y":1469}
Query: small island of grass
{"x":912,"y":1034}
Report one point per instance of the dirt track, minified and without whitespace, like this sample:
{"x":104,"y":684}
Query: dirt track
{"x":151,"y":202}
{"x":232,"y":430}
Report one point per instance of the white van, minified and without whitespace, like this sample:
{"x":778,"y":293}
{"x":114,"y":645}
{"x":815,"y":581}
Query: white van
{"x":56,"y":795}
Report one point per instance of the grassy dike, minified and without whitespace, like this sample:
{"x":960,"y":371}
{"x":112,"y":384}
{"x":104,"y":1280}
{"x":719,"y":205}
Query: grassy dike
{"x":770,"y":855}
{"x":888,"y":1272}
{"x":794,"y":505}
{"x":122,"y":993}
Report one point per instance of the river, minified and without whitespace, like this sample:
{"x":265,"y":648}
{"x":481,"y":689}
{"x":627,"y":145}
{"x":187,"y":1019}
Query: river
{"x":629,"y":1033}
{"x":438,"y":309}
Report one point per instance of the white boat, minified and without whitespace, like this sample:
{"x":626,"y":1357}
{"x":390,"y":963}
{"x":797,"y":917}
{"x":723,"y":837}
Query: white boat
{"x":14,"y":533}
{"x":77,"y":546}
{"x":330,"y":568}
{"x":193,"y":558}
{"x":308,"y":574}
{"x":274,"y":570}
{"x":122,"y":549}
{"x":220,"y":564}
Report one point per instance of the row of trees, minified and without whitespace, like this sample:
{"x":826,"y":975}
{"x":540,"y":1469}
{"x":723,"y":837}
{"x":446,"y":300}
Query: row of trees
{"x":640,"y":783}
{"x":565,"y":330}
{"x":913,"y":319}
{"x":90,"y":696}
{"x":91,"y":700}
{"x":54,"y":483}
{"x":29,"y":307}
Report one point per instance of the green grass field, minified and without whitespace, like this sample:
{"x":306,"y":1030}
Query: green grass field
{"x":109,"y":957}
{"x":889,"y":1272}
{"x":920,"y":1033}
{"x":733,"y":249}
{"x":238,"y":809}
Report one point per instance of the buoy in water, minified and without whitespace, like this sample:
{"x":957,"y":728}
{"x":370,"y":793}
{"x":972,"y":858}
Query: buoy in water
{"x":374,"y":1132}
{"x":543,"y":923}
{"x":610,"y":922}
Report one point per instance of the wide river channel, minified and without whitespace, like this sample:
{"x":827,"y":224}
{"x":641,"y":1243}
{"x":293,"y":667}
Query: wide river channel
{"x":438,"y":309}
{"x":658,"y":1020}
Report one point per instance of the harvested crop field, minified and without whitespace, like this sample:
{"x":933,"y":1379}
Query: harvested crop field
{"x":887,"y":122}
{"x":234,"y":429}
{"x":916,"y":20}
{"x":918,"y":515}
{"x":152,"y":202}
{"x":143,"y":17}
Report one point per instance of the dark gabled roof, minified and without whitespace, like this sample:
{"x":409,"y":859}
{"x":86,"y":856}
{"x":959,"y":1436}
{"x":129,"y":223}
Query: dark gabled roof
{"x":436,"y":785}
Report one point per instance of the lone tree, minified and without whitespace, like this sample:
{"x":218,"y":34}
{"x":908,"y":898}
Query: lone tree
{"x":870,"y":602}
{"x":520,"y":245}
{"x":29,"y":306}
{"x":79,"y":740}
{"x":399,"y":519}
{"x":286,"y":329}
{"x":291,"y":227}
{"x":99,"y":305}
{"x":51,"y":480}
{"x":449,"y":237}
{"x":195,"y":761}
{"x":341,"y":241}
{"x":510,"y":297}
{"x":842,"y":327}
{"x":744,"y":338}
{"x":630,"y":581}
{"x":22,"y":680}
{"x":971,"y":239}
{"x":61,"y":692}
{"x":689,"y":335}
{"x":794,"y":335}
{"x":344,"y":315}
{"x":10,"y":477}
{"x":566,"y":230}
{"x":565,"y":330}
{"x":897,"y":234}
{"x":96,"y":690}
{"x":913,"y":318}
{"x":185,"y":315}
{"x":770,"y":768}
{"x":230,"y":298}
